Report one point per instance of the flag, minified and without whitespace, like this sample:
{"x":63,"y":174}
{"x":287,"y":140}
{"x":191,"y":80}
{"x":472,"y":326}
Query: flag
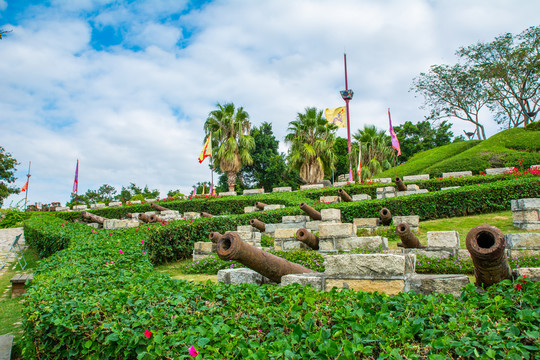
{"x":211,"y":190}
{"x":207,"y":149}
{"x":359,"y":171}
{"x":395,"y":142}
{"x":337,"y":116}
{"x":25,"y":186}
{"x":194,"y":191}
{"x":76,"y":181}
{"x":203,"y":189}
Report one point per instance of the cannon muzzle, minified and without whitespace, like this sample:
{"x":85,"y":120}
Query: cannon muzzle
{"x":258,"y":224}
{"x":206,"y":215}
{"x":158,"y":207}
{"x":231,"y":247}
{"x":307,"y":238}
{"x":93,"y":217}
{"x":344,"y":196}
{"x":486,"y":245}
{"x":385,"y":216}
{"x":215,"y":237}
{"x":144,"y":218}
{"x":155,"y":218}
{"x":259,"y":205}
{"x":408,"y":239}
{"x":400,"y":185}
{"x":311,"y":212}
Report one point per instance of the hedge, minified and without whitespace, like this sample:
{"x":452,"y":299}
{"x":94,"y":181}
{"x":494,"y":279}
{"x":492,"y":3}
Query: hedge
{"x":175,"y":240}
{"x":91,"y":301}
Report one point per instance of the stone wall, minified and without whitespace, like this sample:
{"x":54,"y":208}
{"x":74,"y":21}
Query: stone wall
{"x":526,"y":213}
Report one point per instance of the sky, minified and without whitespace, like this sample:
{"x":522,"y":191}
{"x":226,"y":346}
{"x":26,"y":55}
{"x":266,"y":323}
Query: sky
{"x":126,"y":86}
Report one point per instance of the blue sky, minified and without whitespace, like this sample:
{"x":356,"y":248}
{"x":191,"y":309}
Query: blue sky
{"x":125,"y":86}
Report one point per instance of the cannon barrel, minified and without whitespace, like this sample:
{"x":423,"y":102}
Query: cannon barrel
{"x":206,"y":215}
{"x":158,"y":207}
{"x":486,"y":245}
{"x":215,"y":237}
{"x":231,"y":247}
{"x":344,"y":196}
{"x":129,"y":215}
{"x":259,"y":205}
{"x":144,"y":218}
{"x":385,"y":216}
{"x":93,"y":217}
{"x":311,"y":212}
{"x":256,"y":223}
{"x":307,"y":238}
{"x":155,"y":218}
{"x":400,"y":185}
{"x":408,"y":239}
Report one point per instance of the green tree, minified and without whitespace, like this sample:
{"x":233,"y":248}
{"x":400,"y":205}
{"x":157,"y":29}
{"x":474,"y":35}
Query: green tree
{"x":231,"y":142}
{"x":106,"y":193}
{"x":341,"y":150}
{"x":7,"y":175}
{"x":174,"y":193}
{"x":377,"y":152}
{"x":414,"y":138}
{"x":510,"y":68}
{"x":312,"y":140}
{"x":3,"y":32}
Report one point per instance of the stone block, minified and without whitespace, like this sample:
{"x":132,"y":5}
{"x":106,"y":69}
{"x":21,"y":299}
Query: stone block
{"x":199,"y":257}
{"x":456,"y":174}
{"x":151,"y":200}
{"x":245,"y":235}
{"x":330,"y":214}
{"x":412,"y":187}
{"x":94,"y":225}
{"x":115,"y":204}
{"x":245,"y":228}
{"x":192,"y":215}
{"x":360,"y":197}
{"x":499,"y":171}
{"x":443,"y":239}
{"x":228,"y":193}
{"x":326,"y":245}
{"x":416,"y":177}
{"x":369,"y":264}
{"x":389,"y":189}
{"x":412,"y":220}
{"x":530,"y":225}
{"x":432,"y":252}
{"x":336,"y":230}
{"x":341,"y":183}
{"x":380,"y":190}
{"x":390,"y":286}
{"x":132,"y":223}
{"x":450,"y":187}
{"x":150,"y":213}
{"x":285,"y":233}
{"x":62,"y":208}
{"x":311,"y":186}
{"x":169,"y":213}
{"x":313,"y":225}
{"x":371,"y":243}
{"x":294,"y":219}
{"x":205,"y":247}
{"x":523,"y":241}
{"x":329,"y":199}
{"x":380,"y":196}
{"x":134,"y":202}
{"x":382,"y":180}
{"x":525,"y":215}
{"x":533,"y":274}
{"x":250,"y":209}
{"x":282,"y":189}
{"x":421,"y":191}
{"x":97,"y":206}
{"x":366,"y":222}
{"x":316,"y":281}
{"x":111,"y":224}
{"x":79,"y":207}
{"x":523,"y":252}
{"x":242,"y":276}
{"x":253,"y":191}
{"x":274,"y":207}
{"x":295,"y":226}
{"x":389,"y":195}
{"x":438,"y":284}
{"x":288,"y":245}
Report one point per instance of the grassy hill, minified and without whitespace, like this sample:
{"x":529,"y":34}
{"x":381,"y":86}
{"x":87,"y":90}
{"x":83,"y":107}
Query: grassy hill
{"x":513,"y":147}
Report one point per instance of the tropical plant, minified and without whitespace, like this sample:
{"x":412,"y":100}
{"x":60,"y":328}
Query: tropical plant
{"x":312,"y":140}
{"x":231,"y":142}
{"x":377,"y":153}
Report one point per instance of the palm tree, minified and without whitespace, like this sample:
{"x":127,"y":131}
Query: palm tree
{"x":376,"y":150}
{"x":231,"y":142}
{"x":312,"y":138}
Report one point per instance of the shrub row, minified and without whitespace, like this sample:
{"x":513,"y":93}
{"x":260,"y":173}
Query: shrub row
{"x":175,"y":240}
{"x":93,"y":301}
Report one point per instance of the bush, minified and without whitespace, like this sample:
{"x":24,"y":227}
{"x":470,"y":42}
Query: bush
{"x":13,"y":218}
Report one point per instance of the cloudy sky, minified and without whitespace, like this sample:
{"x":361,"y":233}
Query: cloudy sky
{"x":125,"y":86}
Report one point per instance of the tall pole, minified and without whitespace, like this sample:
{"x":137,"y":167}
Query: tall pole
{"x":28,"y":182}
{"x":347,"y":96}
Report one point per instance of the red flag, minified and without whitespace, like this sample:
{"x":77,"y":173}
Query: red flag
{"x":207,"y":149}
{"x":25,"y":186}
{"x":76,"y":182}
{"x":395,"y":142}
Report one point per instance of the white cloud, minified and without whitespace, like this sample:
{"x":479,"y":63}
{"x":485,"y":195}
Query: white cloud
{"x":137,"y":116}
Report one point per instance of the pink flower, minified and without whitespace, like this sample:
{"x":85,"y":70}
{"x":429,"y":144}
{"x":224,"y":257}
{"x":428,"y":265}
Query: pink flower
{"x":259,"y":331}
{"x":190,"y":221}
{"x":144,"y":253}
{"x":147,"y":333}
{"x":518,"y":287}
{"x":193,"y":352}
{"x":142,"y":241}
{"x":121,"y":251}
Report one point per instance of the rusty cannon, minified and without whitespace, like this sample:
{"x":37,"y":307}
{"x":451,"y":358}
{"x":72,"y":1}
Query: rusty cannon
{"x":158,"y":207}
{"x":408,"y":239}
{"x":259,"y":205}
{"x":307,"y":238}
{"x":149,"y":218}
{"x":486,"y":245}
{"x":258,"y":224}
{"x":206,"y":215}
{"x":344,"y":196}
{"x":231,"y":247}
{"x":93,"y":217}
{"x":400,"y":184}
{"x":386,"y":216}
{"x":311,"y":212}
{"x":215,"y":237}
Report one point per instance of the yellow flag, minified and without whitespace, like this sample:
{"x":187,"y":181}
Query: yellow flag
{"x":337,"y":116}
{"x":207,"y":149}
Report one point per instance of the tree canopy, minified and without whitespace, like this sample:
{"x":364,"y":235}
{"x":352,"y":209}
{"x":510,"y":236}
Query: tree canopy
{"x":7,"y":175}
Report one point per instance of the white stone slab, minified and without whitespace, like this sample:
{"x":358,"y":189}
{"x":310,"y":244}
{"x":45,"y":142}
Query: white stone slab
{"x":360,"y":197}
{"x":311,"y":186}
{"x":330,"y":215}
{"x":336,"y":230}
{"x":253,"y":191}
{"x":499,"y":171}
{"x":444,"y":239}
{"x":457,"y":174}
{"x":369,"y":264}
{"x":416,"y":177}
{"x":341,"y":183}
{"x":282,"y":189}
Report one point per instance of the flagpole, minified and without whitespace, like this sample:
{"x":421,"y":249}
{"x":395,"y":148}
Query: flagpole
{"x":28,"y":183}
{"x":347,"y":96}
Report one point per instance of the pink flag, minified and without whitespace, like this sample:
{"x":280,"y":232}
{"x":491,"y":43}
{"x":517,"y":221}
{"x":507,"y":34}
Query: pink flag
{"x":211,"y":191}
{"x":194,"y":191}
{"x":76,"y":182}
{"x":395,"y":142}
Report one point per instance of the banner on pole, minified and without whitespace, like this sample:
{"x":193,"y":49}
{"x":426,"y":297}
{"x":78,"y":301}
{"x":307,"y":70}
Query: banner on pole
{"x":76,"y":181}
{"x":207,"y":149}
{"x":395,"y":142}
{"x":337,"y":116}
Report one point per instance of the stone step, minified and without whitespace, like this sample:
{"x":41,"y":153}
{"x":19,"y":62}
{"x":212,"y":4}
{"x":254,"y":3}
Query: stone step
{"x":6,"y":341}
